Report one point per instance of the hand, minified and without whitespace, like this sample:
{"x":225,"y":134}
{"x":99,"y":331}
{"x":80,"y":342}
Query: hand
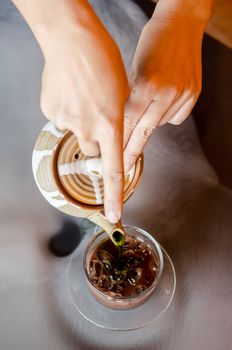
{"x":84,"y":89}
{"x":165,"y":81}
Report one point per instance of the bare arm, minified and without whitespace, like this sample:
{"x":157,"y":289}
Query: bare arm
{"x":198,"y":9}
{"x":166,"y":72}
{"x":84,"y":85}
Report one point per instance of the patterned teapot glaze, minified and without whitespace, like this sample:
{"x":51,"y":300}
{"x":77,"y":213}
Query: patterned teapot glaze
{"x":71,"y":181}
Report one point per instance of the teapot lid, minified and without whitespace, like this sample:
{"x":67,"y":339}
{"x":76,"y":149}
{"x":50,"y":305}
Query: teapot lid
{"x":69,"y":180}
{"x":80,"y":176}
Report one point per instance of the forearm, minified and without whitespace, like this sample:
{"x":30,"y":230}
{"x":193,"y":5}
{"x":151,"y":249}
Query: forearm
{"x":197,"y":11}
{"x":50,"y":19}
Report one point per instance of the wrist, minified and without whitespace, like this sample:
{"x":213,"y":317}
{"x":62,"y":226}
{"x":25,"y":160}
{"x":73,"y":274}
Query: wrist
{"x":185,"y":11}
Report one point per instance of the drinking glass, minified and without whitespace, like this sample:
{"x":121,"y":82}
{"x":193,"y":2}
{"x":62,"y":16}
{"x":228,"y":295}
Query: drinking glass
{"x":125,"y":313}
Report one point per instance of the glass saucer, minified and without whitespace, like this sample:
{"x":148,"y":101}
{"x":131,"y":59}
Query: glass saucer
{"x":122,"y":320}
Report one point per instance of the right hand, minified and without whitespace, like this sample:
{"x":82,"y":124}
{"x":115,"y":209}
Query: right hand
{"x":84,"y":89}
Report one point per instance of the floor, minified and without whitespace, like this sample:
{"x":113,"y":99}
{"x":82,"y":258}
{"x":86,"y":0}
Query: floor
{"x":180,"y":201}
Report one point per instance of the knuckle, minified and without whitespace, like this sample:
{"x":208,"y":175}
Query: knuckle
{"x":60,"y":121}
{"x":156,"y":86}
{"x":190,"y":92}
{"x":83,"y":134}
{"x":176,"y":90}
{"x":111,"y":129}
{"x":193,"y":91}
{"x":88,"y":150}
{"x":60,"y":118}
{"x":60,"y":125}
{"x":45,"y":109}
{"x":177,"y":94}
{"x":114,"y":176}
{"x":129,"y":122}
{"x":144,"y":132}
{"x":167,"y":94}
{"x":187,"y":95}
{"x":198,"y":91}
{"x":134,"y":156}
{"x":149,"y":88}
{"x":195,"y":88}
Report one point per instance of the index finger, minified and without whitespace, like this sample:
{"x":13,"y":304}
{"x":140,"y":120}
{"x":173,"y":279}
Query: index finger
{"x":113,"y":175}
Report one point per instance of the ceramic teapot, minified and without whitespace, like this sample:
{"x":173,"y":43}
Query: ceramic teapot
{"x":72,"y":182}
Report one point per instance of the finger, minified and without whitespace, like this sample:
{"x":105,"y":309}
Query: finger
{"x":183,"y":112}
{"x":143,"y":131}
{"x":60,"y":125}
{"x":65,"y":121}
{"x":177,"y":104}
{"x":89,"y":148}
{"x":87,"y":145}
{"x":134,"y":109}
{"x":112,"y":159}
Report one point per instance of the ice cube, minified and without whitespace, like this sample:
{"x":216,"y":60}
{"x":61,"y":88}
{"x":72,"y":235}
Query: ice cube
{"x":95,"y":269}
{"x":129,"y":253}
{"x":134,"y":276}
{"x":118,"y":276}
{"x":104,"y":256}
{"x":119,"y":288}
{"x":109,"y":285}
{"x":141,"y":246}
{"x":153,"y":266}
{"x":136,"y":261}
{"x":107,"y":267}
{"x":102,"y":282}
{"x":149,"y":278}
{"x":139,"y":289}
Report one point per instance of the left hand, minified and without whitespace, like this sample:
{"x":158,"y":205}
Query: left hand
{"x":165,"y":81}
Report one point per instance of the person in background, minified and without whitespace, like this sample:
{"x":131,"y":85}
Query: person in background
{"x":85,"y":87}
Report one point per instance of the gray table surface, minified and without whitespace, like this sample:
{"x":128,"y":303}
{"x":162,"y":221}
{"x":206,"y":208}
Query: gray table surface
{"x":179,"y":200}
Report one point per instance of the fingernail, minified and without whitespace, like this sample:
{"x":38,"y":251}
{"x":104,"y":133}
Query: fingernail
{"x":113,"y":217}
{"x":174,"y":121}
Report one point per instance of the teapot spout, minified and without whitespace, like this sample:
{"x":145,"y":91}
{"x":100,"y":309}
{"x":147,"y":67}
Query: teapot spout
{"x":115,"y":231}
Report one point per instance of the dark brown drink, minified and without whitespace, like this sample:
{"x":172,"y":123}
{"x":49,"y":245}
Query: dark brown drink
{"x":124,"y":271}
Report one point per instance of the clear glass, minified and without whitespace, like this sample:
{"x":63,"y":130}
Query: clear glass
{"x":147,"y":306}
{"x":124,"y":303}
